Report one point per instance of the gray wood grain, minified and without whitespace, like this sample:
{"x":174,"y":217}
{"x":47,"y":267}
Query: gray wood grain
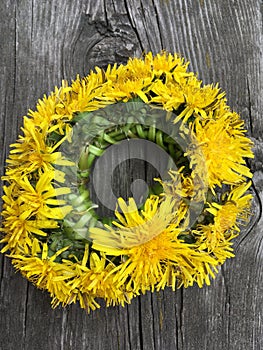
{"x":43,"y":42}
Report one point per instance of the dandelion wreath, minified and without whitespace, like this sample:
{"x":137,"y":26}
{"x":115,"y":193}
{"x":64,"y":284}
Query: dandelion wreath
{"x":51,"y":227}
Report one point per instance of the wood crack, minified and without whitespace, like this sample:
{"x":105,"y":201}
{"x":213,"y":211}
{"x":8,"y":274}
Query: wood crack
{"x":133,"y":26}
{"x":140,"y":324}
{"x":129,"y":330}
{"x":179,"y":321}
{"x":153,"y":321}
{"x":158,"y":24}
{"x":249,"y":108}
{"x":15,"y":55}
{"x":227,"y":306}
{"x":63,"y":328}
{"x":25,"y":318}
{"x":258,"y":214}
{"x":32,"y":21}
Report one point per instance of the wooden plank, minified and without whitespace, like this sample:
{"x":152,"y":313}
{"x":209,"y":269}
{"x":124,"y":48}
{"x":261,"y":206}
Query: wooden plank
{"x":41,"y":43}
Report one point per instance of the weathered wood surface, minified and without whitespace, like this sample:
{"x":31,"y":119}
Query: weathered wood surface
{"x":44,"y":42}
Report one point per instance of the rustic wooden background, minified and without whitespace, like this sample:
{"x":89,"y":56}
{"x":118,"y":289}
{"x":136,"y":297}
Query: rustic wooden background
{"x":43,"y":42}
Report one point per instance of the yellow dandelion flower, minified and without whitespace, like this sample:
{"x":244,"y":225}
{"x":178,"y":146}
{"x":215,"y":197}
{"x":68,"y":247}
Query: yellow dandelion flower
{"x":134,"y":228}
{"x":169,"y":95}
{"x":168,"y":64}
{"x":224,"y":146}
{"x":212,"y":239}
{"x":153,"y":254}
{"x":45,"y":272}
{"x":236,"y":207}
{"x":40,"y":199}
{"x":127,"y":84}
{"x":31,"y":152}
{"x":217,"y":236}
{"x":199,"y":101}
{"x":19,"y":225}
{"x":99,"y":282}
